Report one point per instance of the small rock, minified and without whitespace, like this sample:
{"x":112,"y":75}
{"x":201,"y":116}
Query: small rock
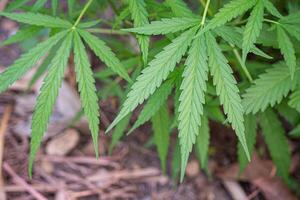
{"x":192,"y":168}
{"x":63,"y":143}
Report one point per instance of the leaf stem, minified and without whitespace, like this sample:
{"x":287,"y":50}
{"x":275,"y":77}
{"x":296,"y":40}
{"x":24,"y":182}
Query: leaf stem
{"x":271,"y":21}
{"x":87,"y":5}
{"x":244,"y":68}
{"x":205,"y":13}
{"x":107,"y":31}
{"x":203,"y":3}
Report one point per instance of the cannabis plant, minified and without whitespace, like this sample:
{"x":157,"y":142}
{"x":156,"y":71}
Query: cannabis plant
{"x":234,"y":62}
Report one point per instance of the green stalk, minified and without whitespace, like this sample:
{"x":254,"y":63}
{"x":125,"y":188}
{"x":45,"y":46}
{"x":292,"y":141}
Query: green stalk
{"x":87,"y":5}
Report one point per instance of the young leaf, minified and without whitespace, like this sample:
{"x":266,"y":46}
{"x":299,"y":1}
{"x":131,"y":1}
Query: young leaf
{"x":38,"y":20}
{"x":27,"y":61}
{"x":165,"y":26}
{"x":47,"y":97}
{"x":250,"y":133}
{"x":179,"y":8}
{"x":192,"y":98}
{"x":104,"y":53}
{"x":287,"y":50}
{"x":156,"y":72}
{"x":87,"y":88}
{"x":269,"y":88}
{"x":253,"y":27}
{"x":294,"y":101}
{"x":227,"y":89}
{"x":231,"y":10}
{"x":272,"y":9}
{"x":276,"y":141}
{"x":202,"y":142}
{"x":160,"y":124}
{"x":154,"y":104}
{"x":140,"y":17}
{"x":22,"y":35}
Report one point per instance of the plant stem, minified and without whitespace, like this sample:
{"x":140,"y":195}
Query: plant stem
{"x":87,"y":5}
{"x":205,"y":13}
{"x":244,"y":68}
{"x":107,"y":31}
{"x":271,"y":21}
{"x":204,"y":4}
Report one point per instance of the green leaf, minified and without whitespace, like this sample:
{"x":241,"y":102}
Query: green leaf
{"x":293,"y":30}
{"x":156,"y":72}
{"x":38,"y":5}
{"x":231,"y":10}
{"x":54,"y":5}
{"x":47,"y":97}
{"x":269,"y":88}
{"x":165,"y":26}
{"x":294,"y":101}
{"x":227,"y":90}
{"x":104,"y":53}
{"x":295,"y":132}
{"x":27,"y":61}
{"x":87,"y":88}
{"x":22,"y":35}
{"x":154,"y":104}
{"x":202,"y":142}
{"x":291,"y":19}
{"x":287,"y":50}
{"x":276,"y":141}
{"x":272,"y":9}
{"x":250,"y":133}
{"x":38,"y":19}
{"x":179,"y":8}
{"x":176,"y":160}
{"x":139,"y":15}
{"x":192,"y":98}
{"x":15,"y":5}
{"x":253,"y":27}
{"x":160,"y":124}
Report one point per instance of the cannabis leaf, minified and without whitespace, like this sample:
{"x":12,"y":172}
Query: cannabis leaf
{"x":47,"y":97}
{"x":253,"y":27}
{"x":27,"y":61}
{"x":231,"y":10}
{"x":192,"y":98}
{"x":165,"y":26}
{"x":227,"y":89}
{"x":22,"y":35}
{"x":294,"y":101}
{"x":160,"y":124}
{"x":272,"y":9}
{"x":269,"y":88}
{"x":154,"y":103}
{"x":38,"y":20}
{"x":104,"y":53}
{"x":250,"y":134}
{"x":274,"y":137}
{"x":87,"y":89}
{"x":156,"y":72}
{"x":140,"y":18}
{"x":287,"y":49}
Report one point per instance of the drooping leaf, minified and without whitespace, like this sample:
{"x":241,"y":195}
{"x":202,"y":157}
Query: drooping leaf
{"x":47,"y":97}
{"x":276,"y":141}
{"x":269,"y":88}
{"x":202,"y":142}
{"x":294,"y":101}
{"x":139,"y":15}
{"x":160,"y":123}
{"x":287,"y":50}
{"x":192,"y":98}
{"x":104,"y":53}
{"x":38,"y":19}
{"x":165,"y":26}
{"x":231,"y":10}
{"x":227,"y":90}
{"x":253,"y":27}
{"x":87,"y":88}
{"x":179,"y":8}
{"x":156,"y":72}
{"x":27,"y":61}
{"x":250,"y":133}
{"x":154,"y":103}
